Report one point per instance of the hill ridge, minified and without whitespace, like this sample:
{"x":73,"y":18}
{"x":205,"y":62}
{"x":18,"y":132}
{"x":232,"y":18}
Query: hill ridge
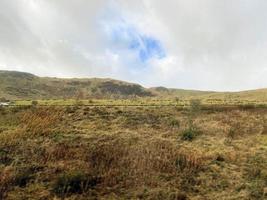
{"x":16,"y":85}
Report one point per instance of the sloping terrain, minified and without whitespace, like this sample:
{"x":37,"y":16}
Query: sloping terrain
{"x":254,"y":96}
{"x":163,"y":92}
{"x":18,"y":85}
{"x":25,"y":86}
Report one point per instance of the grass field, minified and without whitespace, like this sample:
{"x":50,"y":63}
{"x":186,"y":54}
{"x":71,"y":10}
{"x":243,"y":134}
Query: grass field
{"x":109,"y":152}
{"x":142,"y":102}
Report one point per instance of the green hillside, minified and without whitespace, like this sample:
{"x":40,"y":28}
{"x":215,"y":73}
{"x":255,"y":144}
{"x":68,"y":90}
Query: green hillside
{"x":19,"y":85}
{"x":180,"y":93}
{"x":25,"y":86}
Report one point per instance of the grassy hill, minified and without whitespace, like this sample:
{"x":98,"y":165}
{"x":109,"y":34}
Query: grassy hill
{"x":19,"y":85}
{"x":179,"y":93}
{"x":23,"y":86}
{"x":259,"y":95}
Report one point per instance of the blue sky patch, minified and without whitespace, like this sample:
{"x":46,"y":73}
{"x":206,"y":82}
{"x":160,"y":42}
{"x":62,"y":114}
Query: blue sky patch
{"x":150,"y":48}
{"x":125,"y":37}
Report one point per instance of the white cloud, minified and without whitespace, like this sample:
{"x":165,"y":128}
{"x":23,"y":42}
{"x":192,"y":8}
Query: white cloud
{"x":216,"y":45}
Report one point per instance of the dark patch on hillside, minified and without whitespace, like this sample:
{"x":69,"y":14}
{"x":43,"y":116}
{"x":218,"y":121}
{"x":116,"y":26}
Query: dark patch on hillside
{"x":120,"y":89}
{"x":161,"y":89}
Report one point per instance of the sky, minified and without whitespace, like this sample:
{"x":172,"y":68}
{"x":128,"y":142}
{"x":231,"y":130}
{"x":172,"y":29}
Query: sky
{"x":216,"y":45}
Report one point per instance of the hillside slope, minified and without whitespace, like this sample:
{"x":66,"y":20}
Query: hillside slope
{"x":19,"y":85}
{"x":258,"y":96}
{"x":180,"y":93}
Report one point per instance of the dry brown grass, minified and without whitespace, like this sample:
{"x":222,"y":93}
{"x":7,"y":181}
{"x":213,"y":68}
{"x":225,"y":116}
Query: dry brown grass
{"x":40,"y":121}
{"x":130,"y":153}
{"x":133,"y":161}
{"x":33,"y":123}
{"x":6,"y":179}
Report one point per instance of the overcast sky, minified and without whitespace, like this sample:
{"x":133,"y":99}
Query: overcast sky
{"x":207,"y":44}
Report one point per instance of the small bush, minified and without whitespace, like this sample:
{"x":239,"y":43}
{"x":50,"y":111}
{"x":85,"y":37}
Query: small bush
{"x":74,"y":183}
{"x":190,"y":134}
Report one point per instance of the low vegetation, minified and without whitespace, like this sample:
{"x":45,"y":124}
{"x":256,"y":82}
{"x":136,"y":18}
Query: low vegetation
{"x":79,"y":152}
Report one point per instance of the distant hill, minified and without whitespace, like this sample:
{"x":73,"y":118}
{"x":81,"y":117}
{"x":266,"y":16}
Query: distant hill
{"x":256,"y":96}
{"x":20,"y":85}
{"x":179,"y":93}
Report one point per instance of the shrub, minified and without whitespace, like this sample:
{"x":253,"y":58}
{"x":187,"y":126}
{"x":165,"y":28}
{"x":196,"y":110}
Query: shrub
{"x":190,"y":134}
{"x":75,"y":182}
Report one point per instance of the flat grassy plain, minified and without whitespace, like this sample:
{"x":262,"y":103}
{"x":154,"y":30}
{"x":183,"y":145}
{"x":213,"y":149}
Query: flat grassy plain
{"x":74,"y":151}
